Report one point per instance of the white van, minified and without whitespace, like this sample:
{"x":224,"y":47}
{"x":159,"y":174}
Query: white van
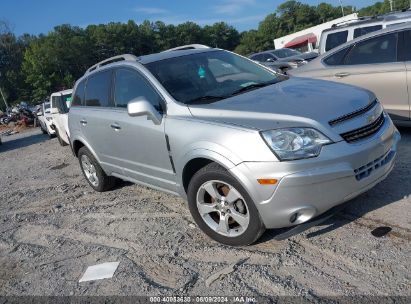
{"x":60,"y":103}
{"x":339,"y":34}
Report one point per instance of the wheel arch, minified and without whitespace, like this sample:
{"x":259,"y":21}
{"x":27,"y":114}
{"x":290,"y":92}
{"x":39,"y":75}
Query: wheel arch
{"x":198,"y":159}
{"x":78,"y":143}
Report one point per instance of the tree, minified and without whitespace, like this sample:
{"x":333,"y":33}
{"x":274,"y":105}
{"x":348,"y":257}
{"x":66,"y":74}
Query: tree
{"x":221,"y":35}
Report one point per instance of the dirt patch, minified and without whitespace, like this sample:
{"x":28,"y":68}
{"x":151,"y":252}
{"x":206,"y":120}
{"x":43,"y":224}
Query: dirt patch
{"x":54,"y":226}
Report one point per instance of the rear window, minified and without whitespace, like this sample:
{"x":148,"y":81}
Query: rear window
{"x":336,"y":39}
{"x":98,"y":89}
{"x":365,"y":30}
{"x":78,"y":96}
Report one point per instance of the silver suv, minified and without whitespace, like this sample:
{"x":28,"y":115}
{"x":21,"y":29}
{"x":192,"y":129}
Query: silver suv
{"x":248,"y":148}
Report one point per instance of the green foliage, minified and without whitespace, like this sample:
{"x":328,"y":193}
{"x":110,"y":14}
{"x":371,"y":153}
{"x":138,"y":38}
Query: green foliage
{"x":384,"y":7}
{"x":32,"y":67}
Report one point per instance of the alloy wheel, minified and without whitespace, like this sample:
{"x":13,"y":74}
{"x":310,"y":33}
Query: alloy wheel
{"x":223,"y":208}
{"x":89,"y":170}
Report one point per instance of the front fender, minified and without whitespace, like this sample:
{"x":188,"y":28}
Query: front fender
{"x":222,"y":156}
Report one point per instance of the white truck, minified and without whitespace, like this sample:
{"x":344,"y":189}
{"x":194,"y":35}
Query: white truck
{"x":60,"y":103}
{"x":45,"y":119}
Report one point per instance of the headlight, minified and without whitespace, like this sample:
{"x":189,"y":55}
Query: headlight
{"x":295,"y":143}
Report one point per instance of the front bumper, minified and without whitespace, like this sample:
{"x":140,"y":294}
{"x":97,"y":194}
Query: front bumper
{"x":308,"y":188}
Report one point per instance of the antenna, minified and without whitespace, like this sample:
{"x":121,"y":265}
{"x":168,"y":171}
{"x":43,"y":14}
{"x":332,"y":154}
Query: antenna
{"x":342,"y":7}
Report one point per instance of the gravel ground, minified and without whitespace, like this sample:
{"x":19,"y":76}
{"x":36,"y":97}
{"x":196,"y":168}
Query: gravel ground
{"x":53,"y":226}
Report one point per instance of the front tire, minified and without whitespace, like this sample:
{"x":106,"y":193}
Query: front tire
{"x":222,"y":208}
{"x":92,"y":171}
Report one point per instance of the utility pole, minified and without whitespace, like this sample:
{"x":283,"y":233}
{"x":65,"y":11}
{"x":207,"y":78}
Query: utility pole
{"x":2,"y":95}
{"x":391,"y":2}
{"x":342,"y":7}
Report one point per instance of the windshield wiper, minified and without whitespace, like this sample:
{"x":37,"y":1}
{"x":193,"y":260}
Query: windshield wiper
{"x":253,"y":86}
{"x":205,"y":99}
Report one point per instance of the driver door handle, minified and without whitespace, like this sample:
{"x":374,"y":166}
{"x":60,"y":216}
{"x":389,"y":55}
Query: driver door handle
{"x":342,"y":75}
{"x":115,"y":126}
{"x":83,"y":122}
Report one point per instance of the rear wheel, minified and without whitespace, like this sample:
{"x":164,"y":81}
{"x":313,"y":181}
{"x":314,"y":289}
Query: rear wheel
{"x":93,"y":172}
{"x":222,"y":208}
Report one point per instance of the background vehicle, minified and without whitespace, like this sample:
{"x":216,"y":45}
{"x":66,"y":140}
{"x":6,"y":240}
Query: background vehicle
{"x":379,"y":62}
{"x":283,"y":59}
{"x":248,"y":148}
{"x":46,"y":120}
{"x":340,"y":34}
{"x":60,"y":104}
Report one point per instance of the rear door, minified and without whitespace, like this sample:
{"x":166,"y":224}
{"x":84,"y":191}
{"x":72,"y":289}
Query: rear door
{"x":374,"y":64}
{"x":94,"y":118}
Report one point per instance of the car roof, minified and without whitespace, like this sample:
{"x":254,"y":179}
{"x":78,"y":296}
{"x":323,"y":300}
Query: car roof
{"x":172,"y":54}
{"x":394,"y":28}
{"x":390,"y":17}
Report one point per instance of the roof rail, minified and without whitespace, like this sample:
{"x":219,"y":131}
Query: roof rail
{"x":188,"y":47}
{"x":125,"y":57}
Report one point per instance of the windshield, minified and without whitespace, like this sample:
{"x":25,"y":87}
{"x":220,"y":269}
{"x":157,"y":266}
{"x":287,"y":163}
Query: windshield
{"x":66,"y":100}
{"x":63,"y":103}
{"x":209,"y":76}
{"x":283,"y":53}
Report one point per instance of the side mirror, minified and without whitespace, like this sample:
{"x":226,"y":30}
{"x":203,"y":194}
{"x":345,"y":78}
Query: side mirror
{"x":54,"y":111}
{"x":39,"y":113}
{"x":141,"y":107}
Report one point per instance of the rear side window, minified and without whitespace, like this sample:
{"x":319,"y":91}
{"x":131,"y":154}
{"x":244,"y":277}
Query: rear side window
{"x":98,"y":89}
{"x":381,"y":49}
{"x":78,"y":96}
{"x":336,"y":39}
{"x":336,"y":58}
{"x":129,"y":84}
{"x":365,"y":30}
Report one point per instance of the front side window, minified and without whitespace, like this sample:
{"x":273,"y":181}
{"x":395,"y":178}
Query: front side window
{"x":365,"y":30}
{"x":98,"y":89}
{"x":130,"y":84}
{"x":335,"y":39}
{"x":336,"y":58}
{"x":381,"y":49}
{"x":209,"y":76}
{"x":78,"y":96}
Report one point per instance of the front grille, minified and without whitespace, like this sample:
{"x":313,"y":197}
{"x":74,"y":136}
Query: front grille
{"x":366,"y":170}
{"x":365,"y":131}
{"x":353,"y":114}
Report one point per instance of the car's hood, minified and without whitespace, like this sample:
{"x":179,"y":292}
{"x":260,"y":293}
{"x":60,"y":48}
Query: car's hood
{"x":293,"y":102}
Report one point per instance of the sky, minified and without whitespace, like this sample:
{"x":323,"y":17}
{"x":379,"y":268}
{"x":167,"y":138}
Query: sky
{"x":40,"y":16}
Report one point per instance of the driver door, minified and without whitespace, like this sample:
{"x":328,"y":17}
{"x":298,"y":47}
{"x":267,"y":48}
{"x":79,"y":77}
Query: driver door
{"x":138,"y":144}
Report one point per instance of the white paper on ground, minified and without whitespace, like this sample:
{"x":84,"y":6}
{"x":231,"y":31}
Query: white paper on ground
{"x":100,"y":271}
